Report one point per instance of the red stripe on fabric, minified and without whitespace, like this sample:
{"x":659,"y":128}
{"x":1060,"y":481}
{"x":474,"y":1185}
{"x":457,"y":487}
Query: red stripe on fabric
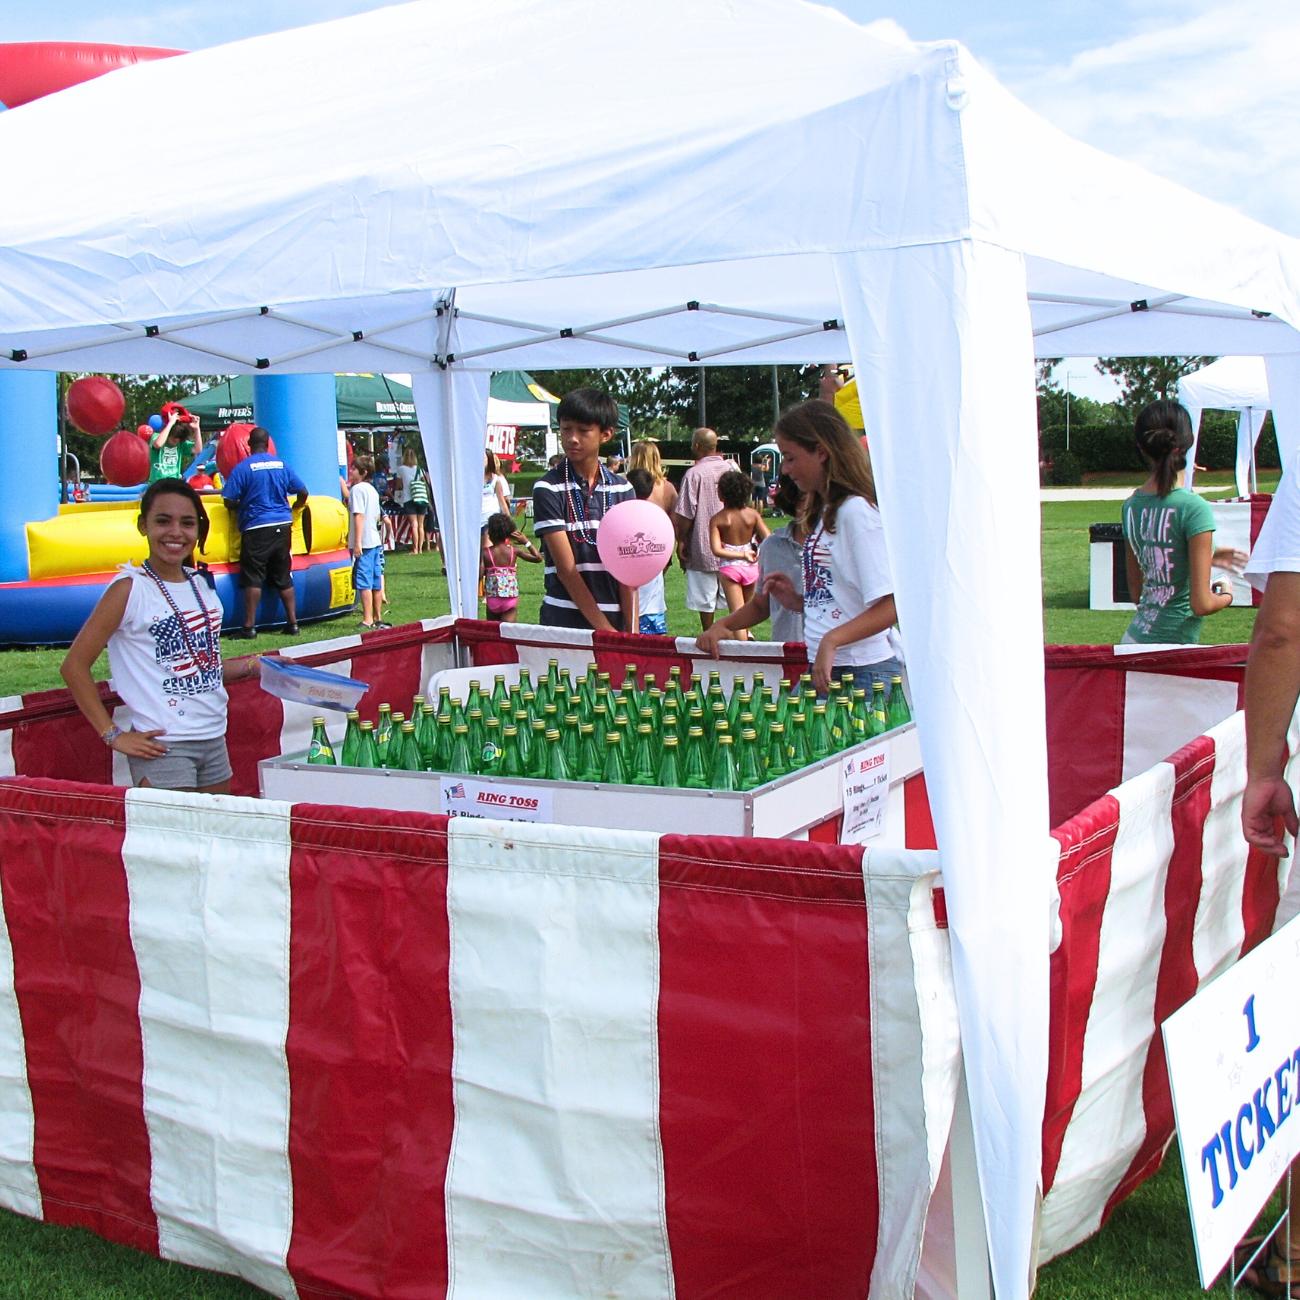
{"x":794,"y":661}
{"x":918,"y":824}
{"x":67,"y":908}
{"x":253,"y":727}
{"x":52,"y":739}
{"x":1261,"y":894}
{"x":369,"y":1052}
{"x":651,"y":654}
{"x":1083,"y":880}
{"x":483,"y":639}
{"x":1176,"y":978}
{"x":766,"y":1112}
{"x":1085,"y":736}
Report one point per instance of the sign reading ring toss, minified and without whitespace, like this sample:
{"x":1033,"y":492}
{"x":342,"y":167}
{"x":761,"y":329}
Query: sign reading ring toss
{"x":865,"y":782}
{"x":462,"y":796}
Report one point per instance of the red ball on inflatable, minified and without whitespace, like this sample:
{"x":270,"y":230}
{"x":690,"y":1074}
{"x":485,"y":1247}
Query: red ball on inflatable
{"x":232,"y":447}
{"x":124,"y":459}
{"x":145,"y":430}
{"x":95,"y":405}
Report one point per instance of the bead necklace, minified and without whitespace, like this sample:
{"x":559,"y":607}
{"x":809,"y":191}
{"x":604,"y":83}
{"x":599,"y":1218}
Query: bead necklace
{"x":205,"y":658}
{"x":575,"y":501}
{"x":809,"y":558}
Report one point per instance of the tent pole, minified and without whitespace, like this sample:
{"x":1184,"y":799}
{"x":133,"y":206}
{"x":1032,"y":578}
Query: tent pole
{"x":702,"y":406}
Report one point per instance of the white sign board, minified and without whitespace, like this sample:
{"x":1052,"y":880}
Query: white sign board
{"x":865,"y":779}
{"x":462,"y":796}
{"x":1234,"y":1069}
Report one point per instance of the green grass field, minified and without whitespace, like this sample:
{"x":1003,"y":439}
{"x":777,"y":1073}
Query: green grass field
{"x":1145,"y":1251}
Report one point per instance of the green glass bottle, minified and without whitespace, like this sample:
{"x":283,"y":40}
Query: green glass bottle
{"x":551,"y":716}
{"x":477,"y":732}
{"x":459,"y":760}
{"x":614,"y":770}
{"x":525,"y":682}
{"x":458,"y":717}
{"x":749,"y":771}
{"x":734,"y":694}
{"x":426,"y":737}
{"x":628,"y":690}
{"x":443,"y":711}
{"x":657,"y":701}
{"x":388,"y":754}
{"x":717,"y":719}
{"x":600,"y":721}
{"x":383,"y":731}
{"x":777,"y":759}
{"x":695,"y":774}
{"x":673,"y":687}
{"x":417,"y":702}
{"x":510,"y":765}
{"x":557,"y":768}
{"x":531,"y":705}
{"x":644,"y":768}
{"x":367,"y":750}
{"x":588,"y":754}
{"x":524,"y":740}
{"x":499,"y":693}
{"x":896,"y":711}
{"x":649,"y":689}
{"x":669,"y":724}
{"x":351,"y":741}
{"x":722,"y":774}
{"x":474,"y":700}
{"x":320,"y":750}
{"x":878,"y":706}
{"x":489,"y":757}
{"x":860,"y":717}
{"x":669,"y":775}
{"x":537,"y":755}
{"x":549,"y":684}
{"x":407,"y":755}
{"x":768,"y":720}
{"x":800,"y":756}
{"x":819,"y":734}
{"x":569,"y":738}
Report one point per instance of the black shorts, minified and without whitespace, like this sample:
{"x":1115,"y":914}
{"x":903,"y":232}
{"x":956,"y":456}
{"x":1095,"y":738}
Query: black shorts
{"x":264,"y":557}
{"x":416,"y":508}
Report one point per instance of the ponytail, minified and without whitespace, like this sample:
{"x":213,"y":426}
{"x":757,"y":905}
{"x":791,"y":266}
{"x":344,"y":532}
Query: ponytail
{"x":1163,"y":433}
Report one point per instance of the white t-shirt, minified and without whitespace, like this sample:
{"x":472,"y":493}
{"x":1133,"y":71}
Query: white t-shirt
{"x":1277,"y":549}
{"x":850,"y":572}
{"x":650,"y":596}
{"x":491,"y":503}
{"x":168,"y":669}
{"x":363,"y":500}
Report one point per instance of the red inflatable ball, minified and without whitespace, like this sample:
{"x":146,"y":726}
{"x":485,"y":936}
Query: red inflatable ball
{"x":124,"y":459}
{"x":95,"y":404}
{"x":146,"y":431}
{"x":232,"y":447}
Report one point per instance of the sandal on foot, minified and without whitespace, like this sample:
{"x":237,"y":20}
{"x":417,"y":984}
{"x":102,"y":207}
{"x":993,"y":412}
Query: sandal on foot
{"x":1275,"y":1274}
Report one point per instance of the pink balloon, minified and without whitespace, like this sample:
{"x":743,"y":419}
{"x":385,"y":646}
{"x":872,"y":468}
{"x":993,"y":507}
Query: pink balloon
{"x":635,"y":541}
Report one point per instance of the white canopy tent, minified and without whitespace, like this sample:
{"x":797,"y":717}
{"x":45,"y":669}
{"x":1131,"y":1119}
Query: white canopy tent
{"x":1230,"y":384}
{"x":756,"y":184}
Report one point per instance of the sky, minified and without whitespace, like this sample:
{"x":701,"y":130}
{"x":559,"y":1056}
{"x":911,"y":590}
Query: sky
{"x":1200,"y":91}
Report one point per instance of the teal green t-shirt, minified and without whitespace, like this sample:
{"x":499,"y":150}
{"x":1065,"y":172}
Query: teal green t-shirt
{"x":169,"y":461}
{"x":1159,"y":529}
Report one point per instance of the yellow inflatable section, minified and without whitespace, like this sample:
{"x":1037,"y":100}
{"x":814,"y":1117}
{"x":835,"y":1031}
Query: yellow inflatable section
{"x":97,"y":538}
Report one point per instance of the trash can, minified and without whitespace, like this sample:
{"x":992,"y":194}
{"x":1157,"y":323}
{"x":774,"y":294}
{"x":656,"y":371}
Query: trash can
{"x":1107,"y":572}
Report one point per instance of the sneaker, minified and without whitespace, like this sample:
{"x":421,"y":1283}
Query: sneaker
{"x":242,"y":633}
{"x":381,"y":624}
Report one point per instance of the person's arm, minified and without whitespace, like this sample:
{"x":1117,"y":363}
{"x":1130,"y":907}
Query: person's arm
{"x":1204,"y":600}
{"x":165,"y":432}
{"x":1272,"y":688}
{"x":557,"y":542}
{"x":240,"y":670}
{"x":761,"y":529}
{"x":528,"y":552}
{"x":198,"y":437}
{"x":875,"y":618}
{"x":683,"y":517}
{"x":754,"y":611}
{"x":1134,"y":571}
{"x":104,"y":620}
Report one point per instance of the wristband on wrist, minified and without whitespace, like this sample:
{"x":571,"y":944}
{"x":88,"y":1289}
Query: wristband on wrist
{"x":109,"y":736}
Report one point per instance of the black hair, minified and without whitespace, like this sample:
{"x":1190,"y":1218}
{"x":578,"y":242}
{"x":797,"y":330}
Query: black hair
{"x":258,"y":438}
{"x":178,"y":488}
{"x":500,"y":527}
{"x":589,"y":406}
{"x":1163,"y":432}
{"x":735,"y":489}
{"x":785,"y":500}
{"x":642,"y":481}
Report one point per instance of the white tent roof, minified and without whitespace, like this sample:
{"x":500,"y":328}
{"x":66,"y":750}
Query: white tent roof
{"x":1228,"y":384}
{"x":671,"y":181}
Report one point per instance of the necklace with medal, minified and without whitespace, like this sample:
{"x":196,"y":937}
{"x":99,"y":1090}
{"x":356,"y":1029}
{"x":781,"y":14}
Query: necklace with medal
{"x":576,"y":502}
{"x":207,"y":657}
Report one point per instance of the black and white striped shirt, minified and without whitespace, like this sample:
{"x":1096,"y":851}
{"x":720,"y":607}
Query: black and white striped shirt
{"x":560,"y":501}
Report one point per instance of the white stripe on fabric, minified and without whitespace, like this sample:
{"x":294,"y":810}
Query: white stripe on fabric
{"x":321,"y":647}
{"x":915,"y":1053}
{"x":1163,"y":711}
{"x":7,"y":767}
{"x":20,"y":1189}
{"x":556,"y":1184}
{"x":536,"y":646}
{"x":1109,"y":1120}
{"x":296,"y":719}
{"x":1220,"y":926}
{"x":209,"y":893}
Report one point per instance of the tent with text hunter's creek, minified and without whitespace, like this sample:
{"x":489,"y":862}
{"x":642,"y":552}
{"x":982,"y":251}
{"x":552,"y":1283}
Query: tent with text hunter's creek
{"x":675,"y":183}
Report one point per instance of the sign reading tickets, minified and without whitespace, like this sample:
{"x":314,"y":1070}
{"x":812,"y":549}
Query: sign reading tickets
{"x":1234,"y":1070}
{"x":462,"y":796}
{"x":865,"y":782}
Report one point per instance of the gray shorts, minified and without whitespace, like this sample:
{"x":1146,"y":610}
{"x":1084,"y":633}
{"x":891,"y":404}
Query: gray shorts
{"x":187,"y":765}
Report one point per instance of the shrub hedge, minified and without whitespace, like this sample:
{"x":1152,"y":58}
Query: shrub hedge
{"x":1099,"y":447}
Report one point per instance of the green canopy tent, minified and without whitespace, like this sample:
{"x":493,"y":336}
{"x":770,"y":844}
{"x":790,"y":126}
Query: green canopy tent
{"x":364,"y":401}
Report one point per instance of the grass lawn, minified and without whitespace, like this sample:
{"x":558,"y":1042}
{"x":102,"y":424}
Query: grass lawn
{"x":1145,"y":1250}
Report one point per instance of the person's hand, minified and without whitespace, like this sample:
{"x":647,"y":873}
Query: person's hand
{"x":139,"y":744}
{"x":1265,"y":800}
{"x":822,"y":665}
{"x":710,"y":639}
{"x":778,"y":587}
{"x":356,"y":552}
{"x":1228,"y":557}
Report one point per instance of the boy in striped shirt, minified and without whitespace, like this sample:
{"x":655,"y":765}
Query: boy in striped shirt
{"x":569,"y":502}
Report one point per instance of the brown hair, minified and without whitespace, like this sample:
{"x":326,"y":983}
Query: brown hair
{"x":364,"y":464}
{"x":816,"y":424}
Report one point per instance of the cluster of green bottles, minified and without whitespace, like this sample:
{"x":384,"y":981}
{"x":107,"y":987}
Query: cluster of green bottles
{"x":689,"y":734}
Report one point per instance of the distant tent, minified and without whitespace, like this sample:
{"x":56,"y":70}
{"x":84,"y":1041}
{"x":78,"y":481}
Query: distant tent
{"x":364,"y":401}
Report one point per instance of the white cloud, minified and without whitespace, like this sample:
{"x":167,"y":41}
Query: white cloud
{"x":1208,"y":101}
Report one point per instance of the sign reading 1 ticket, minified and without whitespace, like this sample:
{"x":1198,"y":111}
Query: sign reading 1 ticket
{"x":462,"y":796}
{"x":865,"y":779}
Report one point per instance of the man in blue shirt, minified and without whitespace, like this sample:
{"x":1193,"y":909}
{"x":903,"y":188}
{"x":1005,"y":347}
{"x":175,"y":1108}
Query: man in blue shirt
{"x":259,"y":488}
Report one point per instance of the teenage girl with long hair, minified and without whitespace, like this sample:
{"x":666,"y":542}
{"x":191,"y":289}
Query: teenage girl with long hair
{"x":645,"y":455}
{"x":847,"y":594}
{"x":161,"y":624}
{"x":1169,"y":533}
